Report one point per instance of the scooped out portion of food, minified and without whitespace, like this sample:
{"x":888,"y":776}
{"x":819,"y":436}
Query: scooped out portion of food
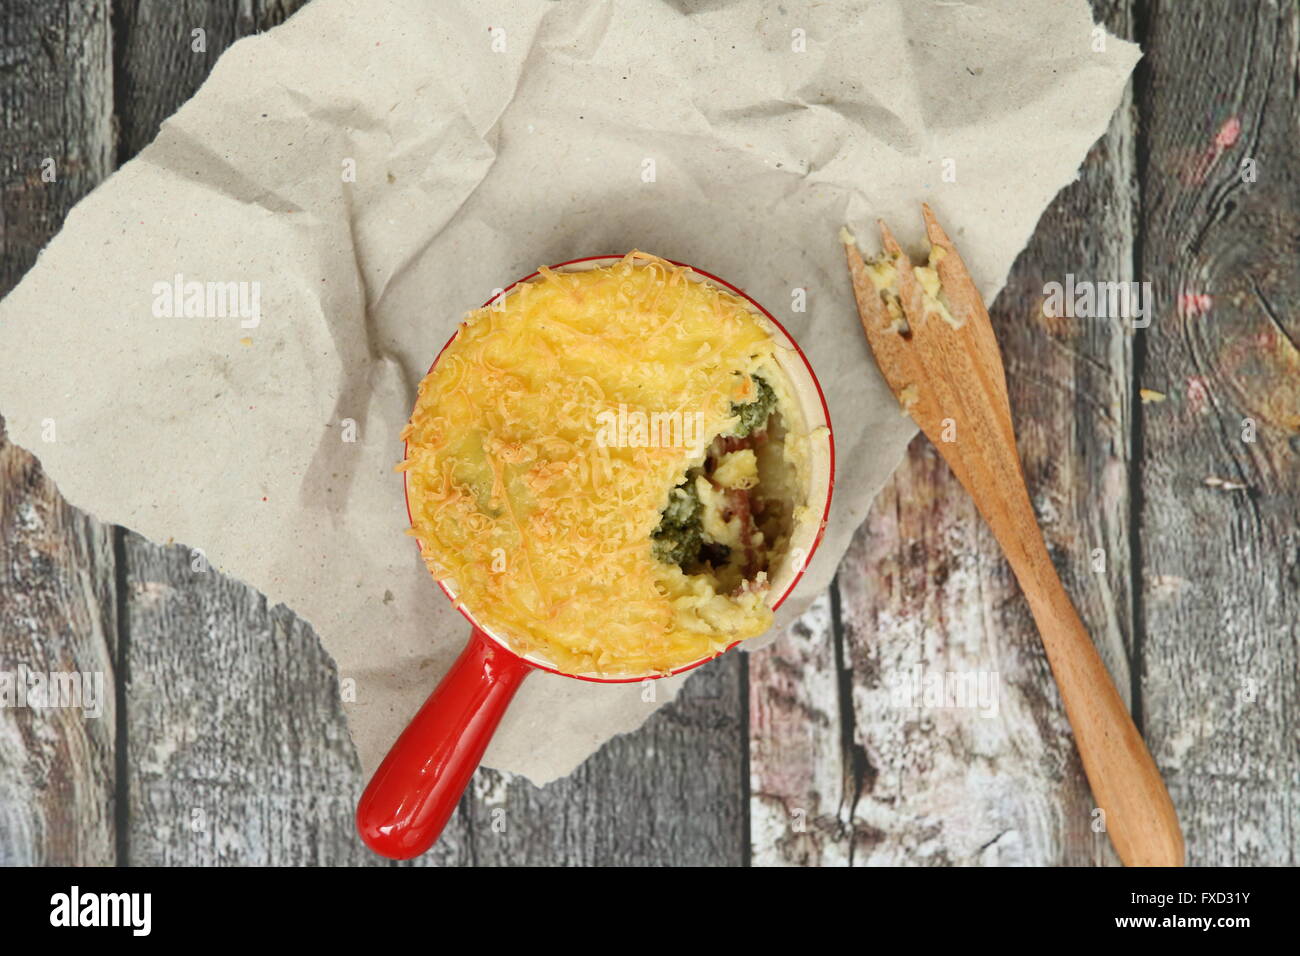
{"x":605,"y":468}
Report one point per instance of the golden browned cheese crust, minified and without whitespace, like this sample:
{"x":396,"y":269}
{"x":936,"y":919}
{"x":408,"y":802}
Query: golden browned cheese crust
{"x":533,"y":492}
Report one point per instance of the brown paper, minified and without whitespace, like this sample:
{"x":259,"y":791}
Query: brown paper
{"x":487,"y":139}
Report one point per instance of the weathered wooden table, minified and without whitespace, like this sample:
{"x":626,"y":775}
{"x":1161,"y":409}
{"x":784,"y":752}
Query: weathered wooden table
{"x":1173,"y":523}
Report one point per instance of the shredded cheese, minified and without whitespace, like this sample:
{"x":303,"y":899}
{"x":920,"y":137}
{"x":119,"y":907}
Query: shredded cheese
{"x":524,"y":507}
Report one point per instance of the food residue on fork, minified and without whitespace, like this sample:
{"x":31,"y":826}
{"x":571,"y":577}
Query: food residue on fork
{"x":884,"y":277}
{"x":932,"y":288}
{"x":883,"y":274}
{"x":908,"y":396}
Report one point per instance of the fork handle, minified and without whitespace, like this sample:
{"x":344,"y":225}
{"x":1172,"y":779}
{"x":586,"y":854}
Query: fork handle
{"x":1139,"y":817}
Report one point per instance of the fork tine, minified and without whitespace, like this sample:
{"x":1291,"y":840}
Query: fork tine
{"x":891,"y":244}
{"x":967,"y":306}
{"x":958,"y":286}
{"x":894,"y":358}
{"x":933,"y":230}
{"x":909,"y":290}
{"x":871,"y":309}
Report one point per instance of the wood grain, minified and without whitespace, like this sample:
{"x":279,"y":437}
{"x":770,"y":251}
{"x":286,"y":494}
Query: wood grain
{"x":238,"y":749}
{"x":56,"y":108}
{"x":57,"y":614}
{"x":1220,"y":564}
{"x":57,"y":603}
{"x":806,"y":772}
{"x":158,"y":66}
{"x":671,"y":794}
{"x":953,"y":367}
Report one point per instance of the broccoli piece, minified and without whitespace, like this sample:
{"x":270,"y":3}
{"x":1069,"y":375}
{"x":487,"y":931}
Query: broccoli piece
{"x":678,"y":538}
{"x":753,"y":415}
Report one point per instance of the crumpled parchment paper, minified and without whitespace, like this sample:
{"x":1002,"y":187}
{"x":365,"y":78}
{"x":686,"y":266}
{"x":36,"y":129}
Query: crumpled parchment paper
{"x":373,"y":170}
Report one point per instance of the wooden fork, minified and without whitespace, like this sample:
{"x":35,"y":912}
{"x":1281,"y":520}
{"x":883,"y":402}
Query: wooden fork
{"x":949,"y":377}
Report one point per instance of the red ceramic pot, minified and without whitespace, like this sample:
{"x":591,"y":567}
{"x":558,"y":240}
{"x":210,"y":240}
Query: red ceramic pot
{"x":415,"y":790}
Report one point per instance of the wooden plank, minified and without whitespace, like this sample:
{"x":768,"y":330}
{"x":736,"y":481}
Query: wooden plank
{"x":925,"y":586}
{"x":56,"y":111}
{"x":238,"y":749}
{"x":1220,"y":564}
{"x":57,"y":614}
{"x":671,"y":794}
{"x":803,"y":764}
{"x":158,"y":65}
{"x":57,"y":603}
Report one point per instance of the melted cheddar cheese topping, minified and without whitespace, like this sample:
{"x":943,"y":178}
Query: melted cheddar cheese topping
{"x":533,"y":489}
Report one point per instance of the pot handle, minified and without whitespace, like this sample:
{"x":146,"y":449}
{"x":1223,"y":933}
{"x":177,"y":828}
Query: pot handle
{"x":415,"y":790}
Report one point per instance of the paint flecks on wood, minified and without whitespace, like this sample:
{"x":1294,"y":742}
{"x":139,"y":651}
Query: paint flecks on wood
{"x":1220,"y":558}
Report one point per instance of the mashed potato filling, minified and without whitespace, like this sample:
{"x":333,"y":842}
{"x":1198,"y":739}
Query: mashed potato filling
{"x":603,"y":466}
